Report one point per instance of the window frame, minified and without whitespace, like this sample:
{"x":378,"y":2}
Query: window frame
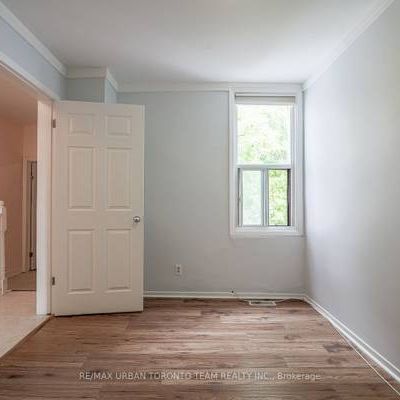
{"x":296,"y":210}
{"x":264,"y":185}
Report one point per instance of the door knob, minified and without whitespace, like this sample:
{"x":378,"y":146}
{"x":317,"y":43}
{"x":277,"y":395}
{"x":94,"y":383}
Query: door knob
{"x":136,"y":219}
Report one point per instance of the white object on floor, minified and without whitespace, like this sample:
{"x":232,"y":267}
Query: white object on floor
{"x":3,"y":228}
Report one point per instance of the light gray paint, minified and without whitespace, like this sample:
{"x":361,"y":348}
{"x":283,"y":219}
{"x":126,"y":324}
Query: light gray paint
{"x":97,"y":90}
{"x":25,"y":56}
{"x":353,"y":187}
{"x":110,"y":95}
{"x":186,"y":204}
{"x":28,"y":58}
{"x":85,"y":89}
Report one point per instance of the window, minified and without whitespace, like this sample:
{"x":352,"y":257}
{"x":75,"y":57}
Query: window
{"x":266,"y":164}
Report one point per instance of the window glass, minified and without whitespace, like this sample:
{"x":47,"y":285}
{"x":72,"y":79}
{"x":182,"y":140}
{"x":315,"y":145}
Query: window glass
{"x":252,"y":198}
{"x":263,"y":133}
{"x":278,"y":182}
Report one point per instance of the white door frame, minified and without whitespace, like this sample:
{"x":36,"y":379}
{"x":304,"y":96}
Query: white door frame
{"x":26,"y":212}
{"x":43,"y":233}
{"x":44,"y":166}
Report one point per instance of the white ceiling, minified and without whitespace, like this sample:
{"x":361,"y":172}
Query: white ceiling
{"x":194,"y":40}
{"x":17,"y":101}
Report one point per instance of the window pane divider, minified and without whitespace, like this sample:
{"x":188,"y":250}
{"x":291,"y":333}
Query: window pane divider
{"x":257,"y":167}
{"x":265,"y":175}
{"x":240,"y":197}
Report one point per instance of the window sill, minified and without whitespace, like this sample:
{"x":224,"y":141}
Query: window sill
{"x":253,"y":233}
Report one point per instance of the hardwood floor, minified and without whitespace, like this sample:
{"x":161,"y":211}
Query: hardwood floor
{"x":191,"y":349}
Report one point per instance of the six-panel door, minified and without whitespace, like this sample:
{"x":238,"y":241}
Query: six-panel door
{"x":97,"y":190}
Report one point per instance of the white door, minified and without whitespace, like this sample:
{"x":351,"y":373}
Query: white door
{"x":97,"y":219}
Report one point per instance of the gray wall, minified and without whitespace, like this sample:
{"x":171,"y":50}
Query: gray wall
{"x":110,"y":94}
{"x":186,"y":204}
{"x":97,"y":90}
{"x":17,"y":53}
{"x":85,"y":89}
{"x":14,"y":47}
{"x":352,"y":119}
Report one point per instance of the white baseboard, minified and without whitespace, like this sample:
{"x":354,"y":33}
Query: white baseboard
{"x":222,"y":295}
{"x":359,"y":343}
{"x":3,"y":286}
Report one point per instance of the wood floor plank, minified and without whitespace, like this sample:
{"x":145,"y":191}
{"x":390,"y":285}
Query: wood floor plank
{"x":191,"y":349}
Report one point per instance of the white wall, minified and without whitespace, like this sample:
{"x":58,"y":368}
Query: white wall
{"x":186,"y":204}
{"x":352,"y":121}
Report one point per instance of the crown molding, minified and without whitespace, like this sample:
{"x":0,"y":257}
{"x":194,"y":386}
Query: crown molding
{"x":207,"y":87}
{"x":16,"y":70}
{"x":372,"y":14}
{"x":86,"y":72}
{"x":30,"y":38}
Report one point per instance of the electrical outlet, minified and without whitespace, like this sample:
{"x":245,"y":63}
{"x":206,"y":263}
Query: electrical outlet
{"x":178,"y":269}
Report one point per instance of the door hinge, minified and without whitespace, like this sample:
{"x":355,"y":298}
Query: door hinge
{"x":53,"y":281}
{"x":31,"y":254}
{"x":54,"y":123}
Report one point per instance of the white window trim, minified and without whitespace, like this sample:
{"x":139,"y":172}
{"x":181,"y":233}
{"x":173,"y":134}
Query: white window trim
{"x":297,"y":211}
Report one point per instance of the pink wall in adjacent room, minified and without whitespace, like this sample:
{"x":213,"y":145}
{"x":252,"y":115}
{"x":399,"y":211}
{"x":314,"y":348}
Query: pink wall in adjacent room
{"x":30,"y":142}
{"x":16,"y":143}
{"x":11,"y":155}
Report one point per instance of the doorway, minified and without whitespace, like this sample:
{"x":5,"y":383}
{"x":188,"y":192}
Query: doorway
{"x":18,"y":181}
{"x":19,"y":202}
{"x":26,"y":280}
